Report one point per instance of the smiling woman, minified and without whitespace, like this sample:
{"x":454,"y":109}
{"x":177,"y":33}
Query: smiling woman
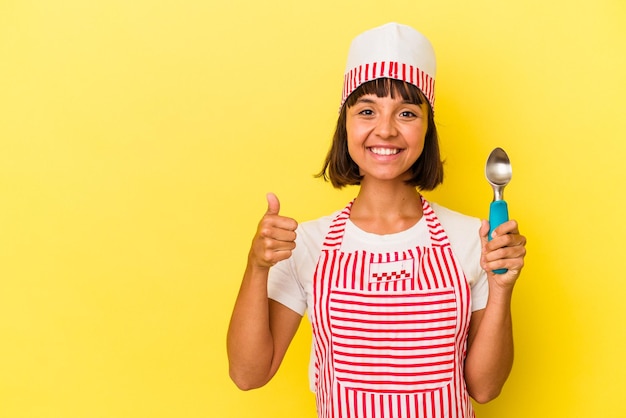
{"x":138,"y":139}
{"x":395,"y":288}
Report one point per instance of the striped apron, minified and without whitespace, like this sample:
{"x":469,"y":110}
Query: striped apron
{"x":390,"y":329}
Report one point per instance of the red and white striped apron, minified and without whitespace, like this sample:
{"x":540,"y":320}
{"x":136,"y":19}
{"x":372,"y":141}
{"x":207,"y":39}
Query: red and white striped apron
{"x":390,"y":329}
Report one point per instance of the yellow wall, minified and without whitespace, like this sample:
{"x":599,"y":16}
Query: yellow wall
{"x":138,"y":140}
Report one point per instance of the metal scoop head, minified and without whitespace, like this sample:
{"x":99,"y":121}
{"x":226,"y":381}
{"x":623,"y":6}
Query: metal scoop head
{"x":498,"y":172}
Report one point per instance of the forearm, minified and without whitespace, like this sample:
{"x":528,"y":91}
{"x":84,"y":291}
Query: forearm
{"x":260,"y":330}
{"x":249,"y":343}
{"x":490,"y":351}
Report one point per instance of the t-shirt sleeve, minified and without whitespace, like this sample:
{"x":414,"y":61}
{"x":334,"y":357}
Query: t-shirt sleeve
{"x":284,"y":288}
{"x":480,"y":292}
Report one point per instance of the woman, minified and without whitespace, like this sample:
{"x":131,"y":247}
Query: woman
{"x":408,"y":318}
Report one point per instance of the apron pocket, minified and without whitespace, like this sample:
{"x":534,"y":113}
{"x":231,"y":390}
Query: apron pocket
{"x":393,"y":343}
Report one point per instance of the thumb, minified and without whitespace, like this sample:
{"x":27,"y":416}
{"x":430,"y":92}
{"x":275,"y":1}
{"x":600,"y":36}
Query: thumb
{"x":273,"y":205}
{"x":484,"y":231}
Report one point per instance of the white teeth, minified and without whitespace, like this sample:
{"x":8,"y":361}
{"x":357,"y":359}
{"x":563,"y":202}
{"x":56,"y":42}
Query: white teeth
{"x":385,"y":151}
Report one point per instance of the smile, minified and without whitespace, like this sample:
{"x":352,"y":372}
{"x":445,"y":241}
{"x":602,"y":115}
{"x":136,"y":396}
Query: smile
{"x":385,"y":151}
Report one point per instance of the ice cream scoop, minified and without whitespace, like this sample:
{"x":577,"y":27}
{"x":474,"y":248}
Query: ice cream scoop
{"x":498,"y":172}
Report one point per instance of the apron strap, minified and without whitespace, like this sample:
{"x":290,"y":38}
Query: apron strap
{"x":334,"y":237}
{"x":438,"y":236}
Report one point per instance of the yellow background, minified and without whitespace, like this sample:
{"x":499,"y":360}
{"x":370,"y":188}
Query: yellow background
{"x":138,"y":140}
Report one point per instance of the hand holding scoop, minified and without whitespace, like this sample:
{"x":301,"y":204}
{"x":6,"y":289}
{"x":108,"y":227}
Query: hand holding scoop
{"x":498,"y":172}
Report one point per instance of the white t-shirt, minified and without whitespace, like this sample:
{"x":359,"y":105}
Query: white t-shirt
{"x":291,"y":281}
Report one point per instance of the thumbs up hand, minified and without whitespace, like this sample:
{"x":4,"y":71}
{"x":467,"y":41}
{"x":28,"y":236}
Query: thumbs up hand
{"x":275,"y":237}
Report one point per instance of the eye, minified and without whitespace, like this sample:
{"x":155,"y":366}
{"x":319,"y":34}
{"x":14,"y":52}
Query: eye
{"x":407,"y":114}
{"x":366,"y":112}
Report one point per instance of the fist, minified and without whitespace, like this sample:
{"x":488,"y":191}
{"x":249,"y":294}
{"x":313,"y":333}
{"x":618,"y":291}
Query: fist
{"x":275,"y":237}
{"x":506,"y":250}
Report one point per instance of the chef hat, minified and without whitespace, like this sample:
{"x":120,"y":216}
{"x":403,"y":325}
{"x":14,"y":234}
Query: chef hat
{"x":391,"y":51}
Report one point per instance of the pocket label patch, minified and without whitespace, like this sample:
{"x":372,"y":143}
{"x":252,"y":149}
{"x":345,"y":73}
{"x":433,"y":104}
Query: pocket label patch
{"x":391,"y":271}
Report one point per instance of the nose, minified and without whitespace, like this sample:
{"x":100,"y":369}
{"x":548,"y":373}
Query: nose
{"x":386,"y":126}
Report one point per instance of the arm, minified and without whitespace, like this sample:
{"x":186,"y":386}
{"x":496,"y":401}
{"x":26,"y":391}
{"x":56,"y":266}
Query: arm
{"x":261,"y":329}
{"x":490,"y":341}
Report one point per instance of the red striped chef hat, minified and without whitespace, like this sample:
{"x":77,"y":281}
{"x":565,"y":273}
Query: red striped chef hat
{"x":391,"y":51}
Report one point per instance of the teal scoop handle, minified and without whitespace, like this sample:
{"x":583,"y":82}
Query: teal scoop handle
{"x":498,"y":214}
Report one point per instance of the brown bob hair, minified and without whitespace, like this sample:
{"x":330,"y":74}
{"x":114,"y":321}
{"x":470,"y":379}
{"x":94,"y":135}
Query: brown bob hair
{"x":341,"y":170}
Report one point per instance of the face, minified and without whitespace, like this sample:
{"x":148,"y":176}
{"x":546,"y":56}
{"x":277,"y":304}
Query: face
{"x":385,"y":136}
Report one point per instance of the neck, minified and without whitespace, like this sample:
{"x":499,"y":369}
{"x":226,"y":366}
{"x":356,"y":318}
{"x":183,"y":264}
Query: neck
{"x":386,"y":209}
